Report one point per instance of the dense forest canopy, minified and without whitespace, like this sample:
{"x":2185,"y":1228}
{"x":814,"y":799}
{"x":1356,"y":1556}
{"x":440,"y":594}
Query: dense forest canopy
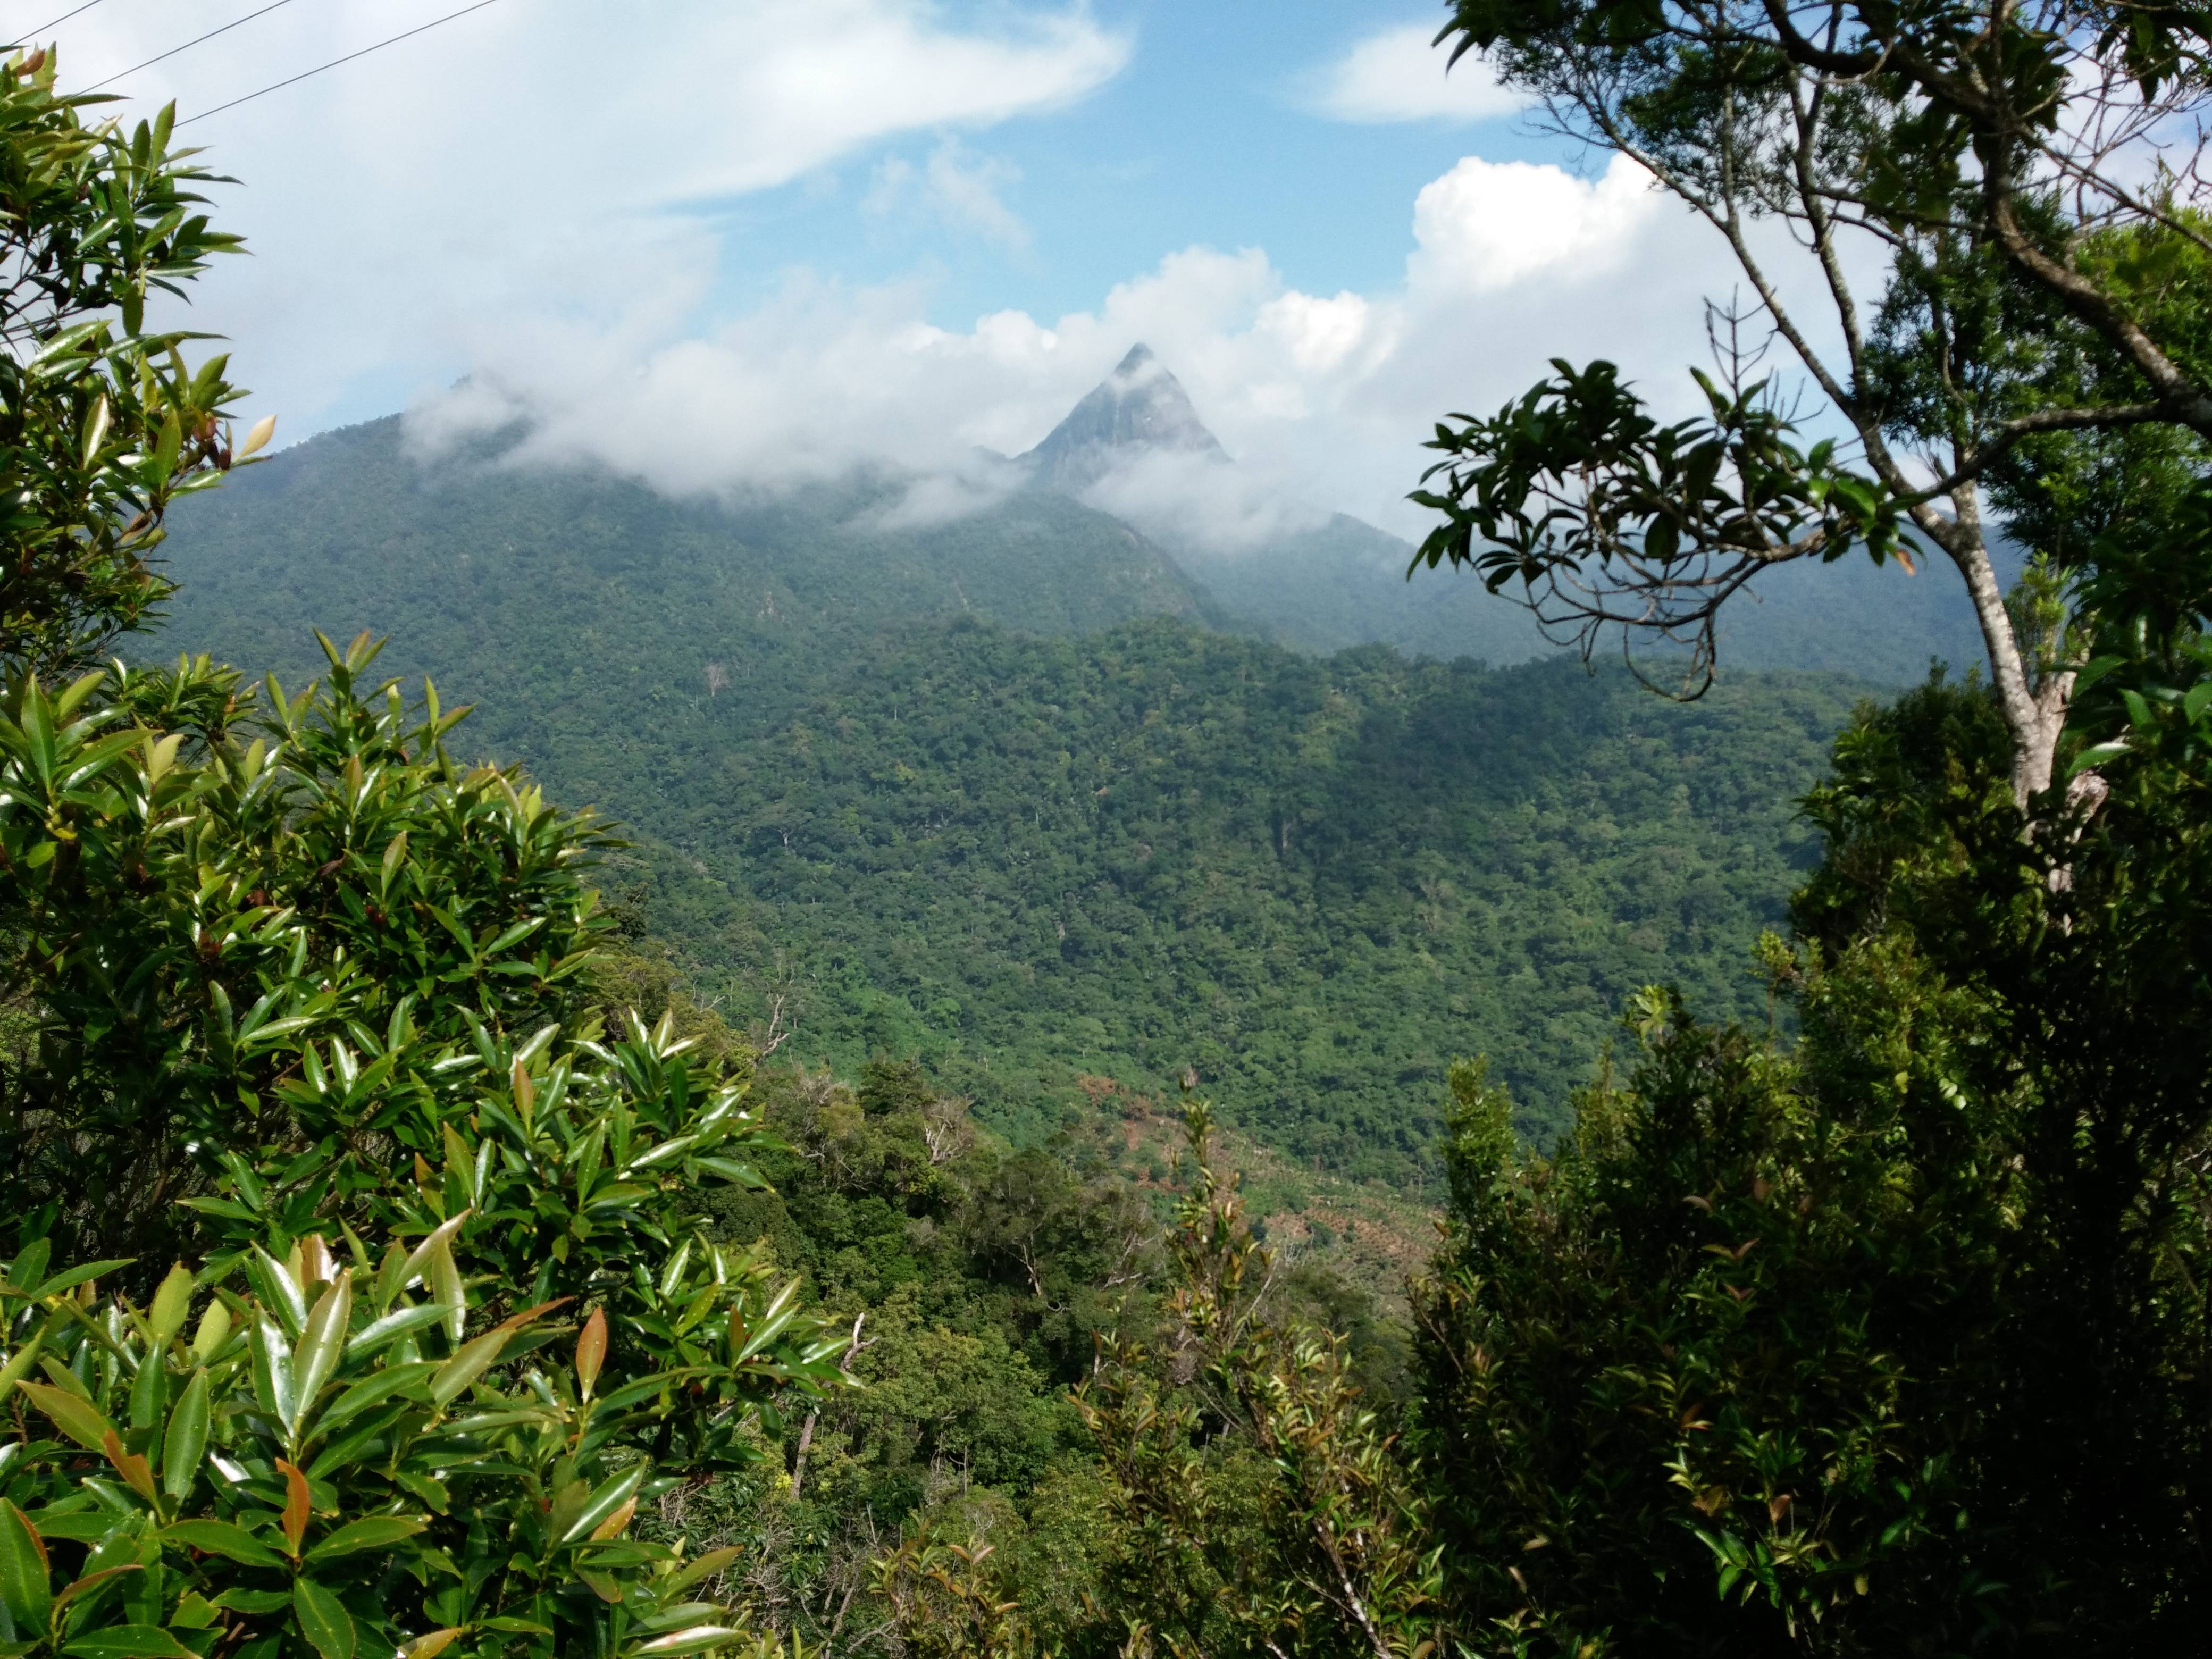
{"x":1054,"y":839}
{"x":1315,"y":883}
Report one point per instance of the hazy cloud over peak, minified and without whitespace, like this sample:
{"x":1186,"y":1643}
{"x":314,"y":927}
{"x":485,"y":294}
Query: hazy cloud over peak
{"x":1323,"y":399}
{"x":708,"y":242}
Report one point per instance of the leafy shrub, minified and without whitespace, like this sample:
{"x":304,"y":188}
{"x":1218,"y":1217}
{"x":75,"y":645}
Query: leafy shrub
{"x":260,"y":940}
{"x":334,"y":1460}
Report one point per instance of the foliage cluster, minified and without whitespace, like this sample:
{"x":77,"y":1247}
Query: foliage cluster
{"x":281,"y":975}
{"x":967,"y":1280}
{"x":102,"y":426}
{"x":1314,"y":882}
{"x":1897,"y":1329}
{"x":325,"y":984}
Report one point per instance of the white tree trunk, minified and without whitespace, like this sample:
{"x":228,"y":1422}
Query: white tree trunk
{"x":2033,"y":714}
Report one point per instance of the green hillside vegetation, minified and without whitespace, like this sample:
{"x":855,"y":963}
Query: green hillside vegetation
{"x":1025,"y":852}
{"x":1314,"y":881}
{"x":406,"y":1252}
{"x":563,"y":586}
{"x":1343,"y":583}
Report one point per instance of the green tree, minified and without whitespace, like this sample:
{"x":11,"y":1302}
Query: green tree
{"x":341,"y":1458}
{"x":287,"y":974}
{"x":249,"y":940}
{"x":1892,"y":1336}
{"x":1259,"y":1505}
{"x":102,"y":425}
{"x":1997,"y":154}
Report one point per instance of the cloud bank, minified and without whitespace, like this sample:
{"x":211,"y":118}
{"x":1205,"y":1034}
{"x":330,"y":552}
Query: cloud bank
{"x":560,"y":249}
{"x":551,"y":159}
{"x":1323,"y":399}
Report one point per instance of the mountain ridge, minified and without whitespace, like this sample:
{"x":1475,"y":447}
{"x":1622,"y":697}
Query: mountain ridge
{"x":1338,"y":581}
{"x":1140,"y":407}
{"x":1004,"y":793}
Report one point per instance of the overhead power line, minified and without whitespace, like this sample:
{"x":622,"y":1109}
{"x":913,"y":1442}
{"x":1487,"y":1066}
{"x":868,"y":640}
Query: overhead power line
{"x":63,"y":18}
{"x":187,"y":47}
{"x":279,"y":86}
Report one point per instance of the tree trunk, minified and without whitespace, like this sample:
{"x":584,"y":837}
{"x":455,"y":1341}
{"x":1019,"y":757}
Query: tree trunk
{"x":2033,"y":715}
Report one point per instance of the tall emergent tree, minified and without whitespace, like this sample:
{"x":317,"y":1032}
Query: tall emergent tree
{"x":2025,"y":174}
{"x":1893,"y":1334}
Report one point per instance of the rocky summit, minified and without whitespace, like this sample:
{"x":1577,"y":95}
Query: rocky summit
{"x":1140,"y":406}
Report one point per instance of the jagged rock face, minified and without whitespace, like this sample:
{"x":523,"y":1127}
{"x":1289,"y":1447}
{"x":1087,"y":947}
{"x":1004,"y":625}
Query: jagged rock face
{"x":1139,"y":407}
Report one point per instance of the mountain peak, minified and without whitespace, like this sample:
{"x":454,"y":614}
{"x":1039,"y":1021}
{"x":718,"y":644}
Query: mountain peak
{"x":1140,"y":407}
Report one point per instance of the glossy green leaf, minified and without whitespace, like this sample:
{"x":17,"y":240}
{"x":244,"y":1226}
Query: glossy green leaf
{"x":382,"y":1333}
{"x":76,"y":1418}
{"x":213,"y":1333}
{"x":701,"y":1568}
{"x":149,"y":1393}
{"x":19,"y":1364}
{"x":447,"y":1290}
{"x":25,"y":1577}
{"x":604,"y":1501}
{"x":272,"y":1372}
{"x":63,"y":1282}
{"x":86,"y":1585}
{"x":376,"y":1532}
{"x":257,"y":1602}
{"x":280,"y":1292}
{"x":221,"y":1538}
{"x":129,"y":1642}
{"x":172,"y":1306}
{"x":185,"y":1442}
{"x":698,"y":1638}
{"x":324,"y":1621}
{"x":372,"y":1391}
{"x":322,"y":1342}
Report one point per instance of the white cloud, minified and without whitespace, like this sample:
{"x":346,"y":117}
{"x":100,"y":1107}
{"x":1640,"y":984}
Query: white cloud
{"x":1178,"y":498}
{"x":1489,"y":224}
{"x":551,"y":159}
{"x":560,"y":246}
{"x":955,"y":184}
{"x":1397,"y":74}
{"x":1323,"y":399}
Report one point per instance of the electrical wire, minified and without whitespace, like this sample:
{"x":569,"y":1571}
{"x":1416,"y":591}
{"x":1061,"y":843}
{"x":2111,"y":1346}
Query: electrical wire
{"x":63,"y":18}
{"x":305,"y":74}
{"x":187,"y":47}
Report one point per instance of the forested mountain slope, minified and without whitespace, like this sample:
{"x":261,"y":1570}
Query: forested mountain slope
{"x":1027,"y":851}
{"x":471,"y":563}
{"x":1315,"y":880}
{"x":1343,"y":583}
{"x":1137,"y":442}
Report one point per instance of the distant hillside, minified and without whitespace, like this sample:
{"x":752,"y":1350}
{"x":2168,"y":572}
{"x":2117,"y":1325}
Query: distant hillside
{"x":955,"y":793}
{"x":532,"y":588}
{"x":1343,"y":582}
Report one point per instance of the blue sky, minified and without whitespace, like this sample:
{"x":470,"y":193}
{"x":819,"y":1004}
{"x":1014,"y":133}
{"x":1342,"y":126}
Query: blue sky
{"x":731,"y":245}
{"x":1209,"y":136}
